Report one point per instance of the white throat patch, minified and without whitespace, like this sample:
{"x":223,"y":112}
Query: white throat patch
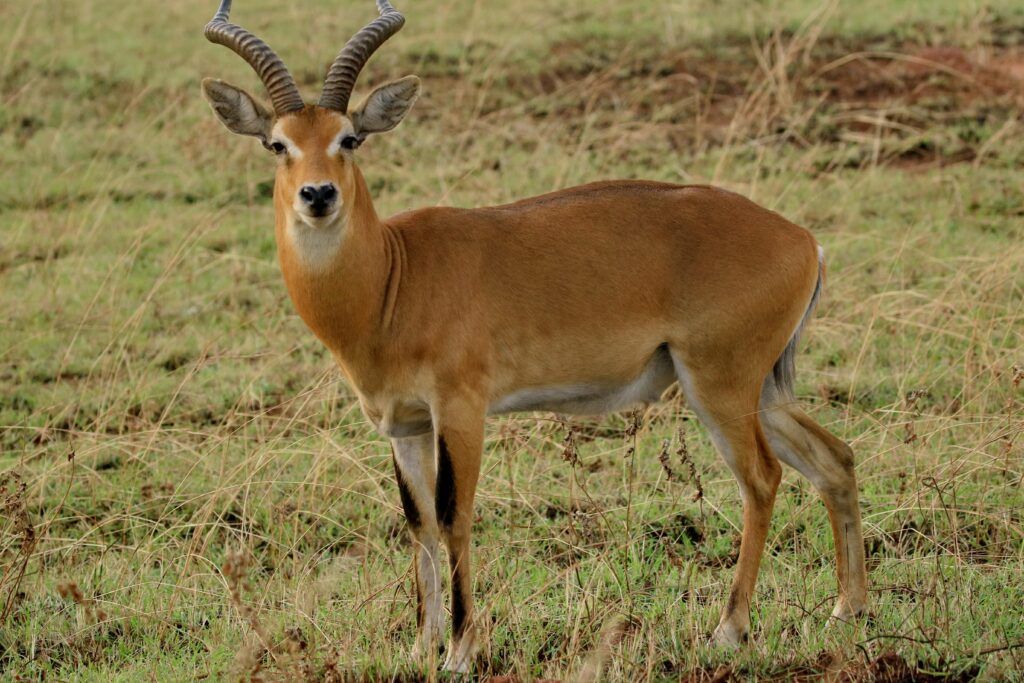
{"x":316,"y":246}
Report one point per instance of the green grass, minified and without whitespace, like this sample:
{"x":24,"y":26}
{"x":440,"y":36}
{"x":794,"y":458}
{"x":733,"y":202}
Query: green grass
{"x":167,"y":411}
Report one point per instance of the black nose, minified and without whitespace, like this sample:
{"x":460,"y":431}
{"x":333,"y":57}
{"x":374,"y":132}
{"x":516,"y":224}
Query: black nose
{"x":319,"y":198}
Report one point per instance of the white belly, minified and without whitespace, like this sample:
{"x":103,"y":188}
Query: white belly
{"x":593,"y":399}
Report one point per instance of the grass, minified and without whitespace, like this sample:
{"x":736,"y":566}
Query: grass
{"x":190,"y":490}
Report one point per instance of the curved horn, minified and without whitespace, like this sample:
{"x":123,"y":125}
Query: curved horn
{"x":284,"y":94}
{"x":350,"y":61}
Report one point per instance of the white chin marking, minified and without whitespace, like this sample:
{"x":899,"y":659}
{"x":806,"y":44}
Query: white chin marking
{"x":320,"y":222}
{"x":316,"y":241}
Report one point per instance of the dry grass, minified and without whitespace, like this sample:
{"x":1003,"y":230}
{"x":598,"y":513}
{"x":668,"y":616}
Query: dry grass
{"x":189,"y":490}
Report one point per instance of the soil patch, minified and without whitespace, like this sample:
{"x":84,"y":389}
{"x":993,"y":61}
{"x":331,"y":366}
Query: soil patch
{"x":835,"y":91}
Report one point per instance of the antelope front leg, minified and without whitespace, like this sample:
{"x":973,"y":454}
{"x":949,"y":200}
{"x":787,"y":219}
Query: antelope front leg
{"x":416,"y":476}
{"x":460,"y":429}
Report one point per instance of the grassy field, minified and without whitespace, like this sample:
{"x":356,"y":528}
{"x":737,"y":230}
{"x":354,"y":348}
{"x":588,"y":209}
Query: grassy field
{"x":186,"y":479}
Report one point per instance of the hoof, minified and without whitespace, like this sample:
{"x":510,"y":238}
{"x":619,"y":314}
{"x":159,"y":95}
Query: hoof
{"x":460,"y":656}
{"x":730,"y":635}
{"x":456,"y":665}
{"x":844,"y":612}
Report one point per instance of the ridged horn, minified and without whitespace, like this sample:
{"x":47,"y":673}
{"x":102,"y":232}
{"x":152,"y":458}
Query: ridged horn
{"x":341,"y":78}
{"x":284,"y":94}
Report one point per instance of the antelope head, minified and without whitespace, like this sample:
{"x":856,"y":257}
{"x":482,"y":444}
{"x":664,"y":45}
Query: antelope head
{"x":318,"y":185}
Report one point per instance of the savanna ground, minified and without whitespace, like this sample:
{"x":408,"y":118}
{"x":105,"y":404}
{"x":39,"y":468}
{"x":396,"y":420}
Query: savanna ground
{"x":190,"y":491}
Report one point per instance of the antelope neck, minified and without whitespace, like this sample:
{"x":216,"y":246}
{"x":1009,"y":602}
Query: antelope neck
{"x":338,"y":276}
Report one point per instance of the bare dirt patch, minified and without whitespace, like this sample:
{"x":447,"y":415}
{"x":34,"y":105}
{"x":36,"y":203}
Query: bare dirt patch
{"x":936,"y":77}
{"x":890,"y":99}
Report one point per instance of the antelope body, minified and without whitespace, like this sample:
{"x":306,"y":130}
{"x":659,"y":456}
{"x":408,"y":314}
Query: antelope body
{"x":586,"y":300}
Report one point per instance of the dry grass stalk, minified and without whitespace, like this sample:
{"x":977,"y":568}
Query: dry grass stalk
{"x":19,"y":530}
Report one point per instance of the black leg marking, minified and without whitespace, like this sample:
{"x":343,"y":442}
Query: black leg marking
{"x":421,"y":603}
{"x":730,"y":606}
{"x":412,"y":513}
{"x":444,"y":500}
{"x":459,"y":607}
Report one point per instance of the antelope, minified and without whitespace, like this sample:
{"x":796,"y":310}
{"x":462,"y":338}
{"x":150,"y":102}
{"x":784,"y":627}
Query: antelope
{"x":582,"y":301}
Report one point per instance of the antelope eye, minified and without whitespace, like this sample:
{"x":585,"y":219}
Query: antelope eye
{"x":278,"y":148}
{"x":349,"y":142}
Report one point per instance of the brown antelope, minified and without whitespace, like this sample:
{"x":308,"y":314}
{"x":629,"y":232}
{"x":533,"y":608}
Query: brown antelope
{"x":581,"y":301}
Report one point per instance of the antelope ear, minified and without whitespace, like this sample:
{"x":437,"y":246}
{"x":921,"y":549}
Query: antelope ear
{"x":385,"y":107}
{"x":238,"y":110}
